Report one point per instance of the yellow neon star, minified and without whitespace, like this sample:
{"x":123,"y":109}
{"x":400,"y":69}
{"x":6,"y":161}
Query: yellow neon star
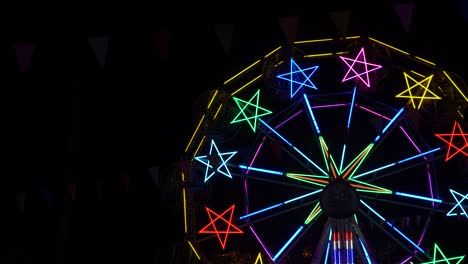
{"x":414,"y":91}
{"x":259,"y":259}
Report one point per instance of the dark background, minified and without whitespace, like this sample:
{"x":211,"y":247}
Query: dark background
{"x":106,"y":125}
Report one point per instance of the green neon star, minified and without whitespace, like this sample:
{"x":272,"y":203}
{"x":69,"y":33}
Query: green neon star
{"x":444,"y":259}
{"x":252,"y":109}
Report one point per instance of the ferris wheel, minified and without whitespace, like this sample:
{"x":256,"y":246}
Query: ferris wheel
{"x":311,"y":153}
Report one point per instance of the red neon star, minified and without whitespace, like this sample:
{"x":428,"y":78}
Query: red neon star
{"x":361,"y":60}
{"x":463,"y":149}
{"x":212,"y":229}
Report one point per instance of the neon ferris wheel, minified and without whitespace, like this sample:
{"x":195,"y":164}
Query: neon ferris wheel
{"x":308,"y":154}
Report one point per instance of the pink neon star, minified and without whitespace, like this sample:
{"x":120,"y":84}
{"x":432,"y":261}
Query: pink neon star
{"x":361,"y":60}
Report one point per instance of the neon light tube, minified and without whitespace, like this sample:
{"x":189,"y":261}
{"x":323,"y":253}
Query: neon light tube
{"x":261,"y":211}
{"x":194,"y":133}
{"x":287,"y":243}
{"x":194,"y":251}
{"x":342,"y":157}
{"x":247,"y":84}
{"x":394,"y":228}
{"x":365,"y":252}
{"x":418,"y":197}
{"x":261,"y":170}
{"x":328,"y":106}
{"x":261,"y":243}
{"x":395,"y":163}
{"x":386,"y":45}
{"x":273,"y":51}
{"x":351,"y":107}
{"x":253,"y":64}
{"x":317,"y":129}
{"x":328,"y":246}
{"x":302,"y":196}
{"x":310,"y":41}
{"x":459,"y":90}
{"x":296,"y":149}
{"x":393,"y":120}
{"x":280,"y":204}
{"x":426,"y":61}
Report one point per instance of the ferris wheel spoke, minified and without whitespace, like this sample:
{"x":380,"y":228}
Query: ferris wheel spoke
{"x":292,"y":146}
{"x":425,"y":208}
{"x":396,"y":163}
{"x":298,"y":198}
{"x":393,"y":227}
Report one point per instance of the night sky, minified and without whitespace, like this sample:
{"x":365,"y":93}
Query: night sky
{"x":71,"y":120}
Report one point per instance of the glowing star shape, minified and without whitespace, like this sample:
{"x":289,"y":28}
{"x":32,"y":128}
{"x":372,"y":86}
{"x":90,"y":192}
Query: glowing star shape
{"x":414,"y":91}
{"x":259,"y":259}
{"x":254,"y":114}
{"x":217,"y":161}
{"x":212,"y":228}
{"x":298,"y":77}
{"x":444,"y":259}
{"x":459,"y":203}
{"x":463,"y":145}
{"x":364,"y":69}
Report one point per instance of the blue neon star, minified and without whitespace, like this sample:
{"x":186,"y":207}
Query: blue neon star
{"x":459,"y":203}
{"x":298,"y":77}
{"x":215,"y":160}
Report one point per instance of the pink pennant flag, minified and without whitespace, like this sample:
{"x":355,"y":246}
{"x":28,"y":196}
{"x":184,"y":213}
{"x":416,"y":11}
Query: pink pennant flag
{"x":224,"y":33}
{"x":161,"y":41}
{"x":289,"y":25}
{"x":99,"y":44}
{"x":341,"y":19}
{"x":405,"y":13}
{"x":24,"y":52}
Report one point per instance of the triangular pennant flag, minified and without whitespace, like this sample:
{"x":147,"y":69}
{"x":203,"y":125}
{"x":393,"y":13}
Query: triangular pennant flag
{"x":289,"y":26}
{"x":224,"y":33}
{"x":405,"y":13}
{"x":341,"y":20}
{"x":161,"y":40}
{"x":99,"y":45}
{"x":24,"y":52}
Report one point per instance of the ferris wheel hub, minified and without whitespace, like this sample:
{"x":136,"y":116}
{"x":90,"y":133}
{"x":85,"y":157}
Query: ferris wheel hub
{"x":339,"y":199}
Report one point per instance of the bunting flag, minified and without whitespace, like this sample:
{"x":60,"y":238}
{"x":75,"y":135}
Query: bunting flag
{"x":289,"y":25}
{"x":99,"y":44}
{"x":405,"y":13}
{"x":224,"y":33}
{"x":20,"y":201}
{"x":341,"y":19}
{"x":161,"y":42}
{"x":24,"y":52}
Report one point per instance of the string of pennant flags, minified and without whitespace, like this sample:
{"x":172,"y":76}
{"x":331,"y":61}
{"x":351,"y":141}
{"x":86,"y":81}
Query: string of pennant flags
{"x":224,"y":31}
{"x":161,"y":41}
